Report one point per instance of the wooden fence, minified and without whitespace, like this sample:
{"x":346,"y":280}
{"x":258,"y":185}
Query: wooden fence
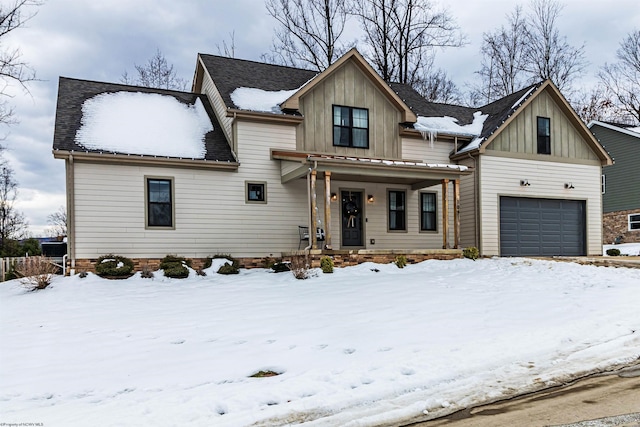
{"x":7,"y":263}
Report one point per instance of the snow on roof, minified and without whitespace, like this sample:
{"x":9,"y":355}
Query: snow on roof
{"x":386,"y":162}
{"x":450,"y":126}
{"x":248,"y":98}
{"x":144,"y":123}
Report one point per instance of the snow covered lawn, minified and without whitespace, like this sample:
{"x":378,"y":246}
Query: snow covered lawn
{"x":356,"y":348}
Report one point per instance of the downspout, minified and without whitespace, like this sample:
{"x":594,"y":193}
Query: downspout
{"x":476,"y":199}
{"x":71,"y":215}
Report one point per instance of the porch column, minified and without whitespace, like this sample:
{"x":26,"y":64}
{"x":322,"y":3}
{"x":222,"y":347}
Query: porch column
{"x":327,"y":209}
{"x":445,"y":213}
{"x":456,"y":214}
{"x":314,"y":215}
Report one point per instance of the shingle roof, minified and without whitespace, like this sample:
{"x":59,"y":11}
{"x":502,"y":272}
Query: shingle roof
{"x":230,"y":74}
{"x":72,"y":93}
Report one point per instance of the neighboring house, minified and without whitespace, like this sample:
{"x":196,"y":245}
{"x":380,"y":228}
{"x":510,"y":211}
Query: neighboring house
{"x":620,"y":182}
{"x":258,"y":150}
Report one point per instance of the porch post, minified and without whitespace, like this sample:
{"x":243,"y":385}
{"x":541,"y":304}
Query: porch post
{"x":327,"y":209}
{"x":445,"y":213}
{"x":314,"y":215}
{"x":456,"y":213}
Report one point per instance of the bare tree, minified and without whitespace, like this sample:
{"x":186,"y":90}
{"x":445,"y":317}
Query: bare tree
{"x":549,"y":55}
{"x":503,"y":60}
{"x":13,"y":69}
{"x":57,"y":223}
{"x":595,"y":105}
{"x":13,"y":225}
{"x":228,"y":49}
{"x":622,"y":79}
{"x":437,"y":87}
{"x":529,"y":49}
{"x":402,"y":35}
{"x":309,"y":32}
{"x":155,"y":73}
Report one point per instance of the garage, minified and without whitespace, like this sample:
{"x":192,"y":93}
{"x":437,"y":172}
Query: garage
{"x":542,"y":227}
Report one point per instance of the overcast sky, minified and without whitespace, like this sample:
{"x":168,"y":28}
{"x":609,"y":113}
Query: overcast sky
{"x":99,"y":40}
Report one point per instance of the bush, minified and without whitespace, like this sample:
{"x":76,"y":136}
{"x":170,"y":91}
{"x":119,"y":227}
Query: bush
{"x":114,"y":266}
{"x":233,"y":268}
{"x":471,"y":252}
{"x":326,"y":264}
{"x":175,"y":267}
{"x":146,"y":272}
{"x":281,"y":267}
{"x":613,"y":252}
{"x":300,"y":266}
{"x":401,"y":261}
{"x":36,"y":272}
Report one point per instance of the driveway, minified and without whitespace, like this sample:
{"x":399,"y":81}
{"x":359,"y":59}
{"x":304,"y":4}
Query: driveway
{"x":610,"y":400}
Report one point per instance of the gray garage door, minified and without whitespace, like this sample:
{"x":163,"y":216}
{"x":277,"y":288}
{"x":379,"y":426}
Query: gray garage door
{"x":541,"y":227}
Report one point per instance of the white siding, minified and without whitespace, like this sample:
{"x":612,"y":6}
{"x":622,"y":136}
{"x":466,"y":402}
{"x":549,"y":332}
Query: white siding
{"x":210,"y":89}
{"x":421,"y":149}
{"x":500,"y":176}
{"x":211,"y":215}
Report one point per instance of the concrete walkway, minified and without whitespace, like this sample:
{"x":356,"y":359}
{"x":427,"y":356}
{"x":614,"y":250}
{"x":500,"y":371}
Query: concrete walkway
{"x":607,"y":400}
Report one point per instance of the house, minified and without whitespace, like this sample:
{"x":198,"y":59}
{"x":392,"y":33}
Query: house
{"x":620,"y":182}
{"x":257,"y":150}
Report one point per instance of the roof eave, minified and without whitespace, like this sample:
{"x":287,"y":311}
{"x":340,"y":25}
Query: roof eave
{"x":145,"y":160}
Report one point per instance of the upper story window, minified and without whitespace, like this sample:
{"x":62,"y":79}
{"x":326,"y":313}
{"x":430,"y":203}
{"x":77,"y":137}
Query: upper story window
{"x":159,"y":202}
{"x":634,"y":222}
{"x":350,"y":127}
{"x":256,"y":192}
{"x":544,"y":135}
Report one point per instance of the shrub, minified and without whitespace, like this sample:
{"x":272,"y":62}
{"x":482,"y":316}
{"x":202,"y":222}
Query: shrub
{"x":471,"y":252}
{"x":175,"y":267}
{"x":227,"y":268}
{"x":114,"y":266}
{"x":146,"y":272}
{"x":300,"y":266}
{"x":36,"y":272}
{"x":326,"y":264}
{"x":281,"y":267}
{"x":83,"y":274}
{"x":613,"y":252}
{"x":401,"y":261}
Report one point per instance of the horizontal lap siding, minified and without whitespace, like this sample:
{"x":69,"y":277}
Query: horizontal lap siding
{"x":211,"y":215}
{"x":420,"y":149}
{"x":501,"y":177}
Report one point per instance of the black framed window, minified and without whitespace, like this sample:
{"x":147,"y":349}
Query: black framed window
{"x":159,"y":203}
{"x":397,"y":210}
{"x":350,"y":127}
{"x":256,"y":192}
{"x":544,"y":135}
{"x":428,"y":220}
{"x":634,"y":222}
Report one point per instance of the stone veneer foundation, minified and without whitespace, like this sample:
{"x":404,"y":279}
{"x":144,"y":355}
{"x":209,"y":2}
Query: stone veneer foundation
{"x":340,"y":258}
{"x":616,"y":224}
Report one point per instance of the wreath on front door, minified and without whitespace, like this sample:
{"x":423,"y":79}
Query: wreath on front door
{"x":351,"y":211}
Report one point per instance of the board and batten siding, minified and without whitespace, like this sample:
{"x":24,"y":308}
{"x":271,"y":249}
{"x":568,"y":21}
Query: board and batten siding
{"x":349,"y":86}
{"x":468,"y":220}
{"x":520,"y":136}
{"x":500,"y":176}
{"x":209,"y":88}
{"x":422,"y":150}
{"x":211,"y":215}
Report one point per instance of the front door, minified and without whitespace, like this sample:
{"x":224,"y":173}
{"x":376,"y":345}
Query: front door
{"x":351,"y":217}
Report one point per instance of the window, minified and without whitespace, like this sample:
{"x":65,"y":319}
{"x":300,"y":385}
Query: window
{"x":159,"y":194}
{"x":397,"y":214}
{"x":603,"y":184}
{"x":256,"y":192}
{"x":350,"y":127}
{"x":634,"y":222}
{"x":544,"y":135}
{"x":428,"y":212}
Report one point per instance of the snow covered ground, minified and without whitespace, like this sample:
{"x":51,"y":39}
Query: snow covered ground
{"x":629,"y":249}
{"x":356,"y":348}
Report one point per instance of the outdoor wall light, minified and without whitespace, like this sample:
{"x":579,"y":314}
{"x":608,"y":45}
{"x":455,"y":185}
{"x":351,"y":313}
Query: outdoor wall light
{"x":334,"y":197}
{"x":524,"y":183}
{"x":370,"y":198}
{"x":569,"y":185}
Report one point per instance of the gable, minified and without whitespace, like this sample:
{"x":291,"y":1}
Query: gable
{"x":570,"y":140}
{"x":348,"y":86}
